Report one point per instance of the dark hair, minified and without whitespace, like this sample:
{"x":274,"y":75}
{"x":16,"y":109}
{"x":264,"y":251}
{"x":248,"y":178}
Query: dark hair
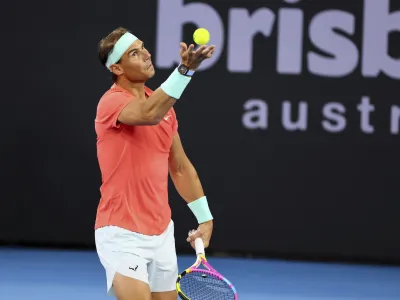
{"x":107,"y":44}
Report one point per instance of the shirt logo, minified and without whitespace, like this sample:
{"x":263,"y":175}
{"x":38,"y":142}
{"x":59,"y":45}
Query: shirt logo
{"x":167,"y":117}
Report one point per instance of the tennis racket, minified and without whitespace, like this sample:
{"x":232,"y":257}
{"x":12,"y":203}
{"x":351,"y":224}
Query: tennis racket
{"x":202,"y":282}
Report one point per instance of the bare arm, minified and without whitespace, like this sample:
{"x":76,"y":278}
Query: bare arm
{"x":183,"y":173}
{"x":188,"y":185}
{"x":147,"y":111}
{"x":150,"y":111}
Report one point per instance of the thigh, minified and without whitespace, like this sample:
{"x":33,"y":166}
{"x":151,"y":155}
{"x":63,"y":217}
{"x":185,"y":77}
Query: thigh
{"x":127,"y":288}
{"x":163,"y":270}
{"x":172,"y":295}
{"x":124,"y":253}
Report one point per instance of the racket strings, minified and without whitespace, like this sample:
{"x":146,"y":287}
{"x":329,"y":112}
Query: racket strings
{"x":201,"y":286}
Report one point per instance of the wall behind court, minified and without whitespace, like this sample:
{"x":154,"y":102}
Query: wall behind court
{"x":293,"y":126}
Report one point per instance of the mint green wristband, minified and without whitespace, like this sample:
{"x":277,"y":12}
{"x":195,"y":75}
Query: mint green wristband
{"x":201,"y":210}
{"x":175,"y":84}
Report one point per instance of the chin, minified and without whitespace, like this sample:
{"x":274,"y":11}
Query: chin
{"x":152,"y":73}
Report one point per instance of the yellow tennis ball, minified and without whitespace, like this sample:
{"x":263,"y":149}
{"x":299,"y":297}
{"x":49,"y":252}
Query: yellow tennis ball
{"x":201,"y":36}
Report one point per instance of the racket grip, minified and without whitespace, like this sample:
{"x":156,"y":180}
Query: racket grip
{"x":199,"y":245}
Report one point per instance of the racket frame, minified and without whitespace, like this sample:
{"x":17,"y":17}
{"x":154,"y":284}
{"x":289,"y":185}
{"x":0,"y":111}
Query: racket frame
{"x":201,"y":260}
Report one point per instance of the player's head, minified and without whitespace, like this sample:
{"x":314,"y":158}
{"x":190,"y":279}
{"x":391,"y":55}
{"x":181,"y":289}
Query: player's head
{"x":125,"y":56}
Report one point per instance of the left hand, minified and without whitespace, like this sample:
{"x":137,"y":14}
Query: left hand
{"x":204,"y":231}
{"x":193,"y":58}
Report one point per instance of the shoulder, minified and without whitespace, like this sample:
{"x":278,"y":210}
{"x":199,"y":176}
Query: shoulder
{"x":113,"y":94}
{"x":112,"y":99}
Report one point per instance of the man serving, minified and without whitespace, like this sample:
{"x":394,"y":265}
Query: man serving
{"x":138,"y":145}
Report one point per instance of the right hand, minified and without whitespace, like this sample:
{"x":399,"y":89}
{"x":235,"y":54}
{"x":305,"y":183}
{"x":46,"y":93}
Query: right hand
{"x":192,"y":59}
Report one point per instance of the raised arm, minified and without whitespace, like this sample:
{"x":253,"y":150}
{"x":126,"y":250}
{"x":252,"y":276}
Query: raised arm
{"x":150,"y":111}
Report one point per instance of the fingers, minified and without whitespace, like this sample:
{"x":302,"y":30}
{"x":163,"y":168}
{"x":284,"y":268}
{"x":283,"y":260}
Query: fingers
{"x":194,"y":234}
{"x":205,"y":52}
{"x":208,"y":50}
{"x":200,"y":50}
{"x":189,"y":50}
{"x":183,"y":48}
{"x":193,"y":58}
{"x":210,"y":53}
{"x":186,"y":52}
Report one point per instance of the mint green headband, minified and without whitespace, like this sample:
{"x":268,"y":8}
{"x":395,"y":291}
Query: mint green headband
{"x":120,"y":47}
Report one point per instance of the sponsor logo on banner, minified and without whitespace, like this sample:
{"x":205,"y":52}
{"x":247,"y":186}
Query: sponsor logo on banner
{"x":331,"y":32}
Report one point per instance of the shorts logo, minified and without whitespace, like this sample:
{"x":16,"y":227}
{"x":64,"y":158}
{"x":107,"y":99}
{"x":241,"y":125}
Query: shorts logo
{"x":134,"y":269}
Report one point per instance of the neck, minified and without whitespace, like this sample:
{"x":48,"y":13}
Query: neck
{"x":136,"y":88}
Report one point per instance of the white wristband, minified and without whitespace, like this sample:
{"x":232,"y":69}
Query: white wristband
{"x":201,"y":210}
{"x":175,"y":84}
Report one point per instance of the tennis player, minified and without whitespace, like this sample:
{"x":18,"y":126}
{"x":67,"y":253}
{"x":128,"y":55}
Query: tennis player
{"x":138,"y":145}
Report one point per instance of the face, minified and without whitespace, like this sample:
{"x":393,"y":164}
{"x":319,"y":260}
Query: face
{"x":135,"y":64}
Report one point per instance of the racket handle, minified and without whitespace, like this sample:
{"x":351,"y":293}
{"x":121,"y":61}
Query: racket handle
{"x":199,"y":245}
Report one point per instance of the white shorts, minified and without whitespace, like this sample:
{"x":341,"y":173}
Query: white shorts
{"x":151,"y":259}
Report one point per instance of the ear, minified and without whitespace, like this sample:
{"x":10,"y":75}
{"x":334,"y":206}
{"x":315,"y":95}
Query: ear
{"x":117,"y":69}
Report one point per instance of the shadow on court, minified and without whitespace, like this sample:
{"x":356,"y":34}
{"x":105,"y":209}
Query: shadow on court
{"x":72,"y":275}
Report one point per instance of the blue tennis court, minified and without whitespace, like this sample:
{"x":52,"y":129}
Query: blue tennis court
{"x":75,"y":275}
